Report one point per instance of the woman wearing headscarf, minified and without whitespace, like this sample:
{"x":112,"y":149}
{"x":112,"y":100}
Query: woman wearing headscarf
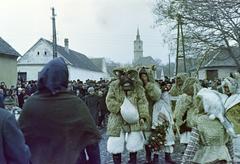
{"x":210,"y":137}
{"x":232,"y":108}
{"x":56,"y":124}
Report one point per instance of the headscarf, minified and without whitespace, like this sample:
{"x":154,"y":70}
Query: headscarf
{"x":54,"y":76}
{"x":231,"y":83}
{"x":193,"y":83}
{"x":176,"y":89}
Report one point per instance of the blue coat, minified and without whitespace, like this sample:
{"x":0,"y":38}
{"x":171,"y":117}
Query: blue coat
{"x":12,"y":144}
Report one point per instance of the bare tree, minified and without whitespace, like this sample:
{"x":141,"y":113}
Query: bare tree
{"x":207,"y":23}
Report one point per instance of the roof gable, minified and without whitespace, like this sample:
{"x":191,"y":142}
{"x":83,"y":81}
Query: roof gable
{"x":6,"y":49}
{"x":222,"y":57}
{"x":76,"y":59}
{"x":148,"y":60}
{"x":98,"y":62}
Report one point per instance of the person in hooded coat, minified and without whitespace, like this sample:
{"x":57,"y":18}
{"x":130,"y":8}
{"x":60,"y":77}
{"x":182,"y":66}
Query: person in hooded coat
{"x":184,"y":111}
{"x":232,"y":110}
{"x":176,"y":89}
{"x":153,"y":94}
{"x":57,"y":125}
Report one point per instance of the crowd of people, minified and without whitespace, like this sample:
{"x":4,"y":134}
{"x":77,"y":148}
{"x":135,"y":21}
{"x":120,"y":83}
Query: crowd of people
{"x":59,"y":119}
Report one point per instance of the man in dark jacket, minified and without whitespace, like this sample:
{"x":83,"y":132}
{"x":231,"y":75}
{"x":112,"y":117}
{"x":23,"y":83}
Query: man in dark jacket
{"x":92,"y":101}
{"x":13,"y":149}
{"x":56,"y":124}
{"x":102,"y":109}
{"x":92,"y":150}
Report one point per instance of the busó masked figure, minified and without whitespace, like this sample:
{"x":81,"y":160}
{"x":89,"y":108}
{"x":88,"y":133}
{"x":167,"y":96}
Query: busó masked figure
{"x":129,"y":115}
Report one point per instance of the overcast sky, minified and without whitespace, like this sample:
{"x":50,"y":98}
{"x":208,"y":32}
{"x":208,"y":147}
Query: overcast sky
{"x":96,"y":28}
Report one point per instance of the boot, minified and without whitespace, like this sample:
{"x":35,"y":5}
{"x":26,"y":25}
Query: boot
{"x":148,"y":155}
{"x":117,"y":158}
{"x":133,"y":158}
{"x":155,"y":159}
{"x":168,"y":159}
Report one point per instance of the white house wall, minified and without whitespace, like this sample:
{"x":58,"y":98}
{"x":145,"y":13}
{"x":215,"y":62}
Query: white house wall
{"x":41,"y":53}
{"x":222,"y":72}
{"x":202,"y":74}
{"x":74,"y":73}
{"x":31,"y":70}
{"x":77,"y":73}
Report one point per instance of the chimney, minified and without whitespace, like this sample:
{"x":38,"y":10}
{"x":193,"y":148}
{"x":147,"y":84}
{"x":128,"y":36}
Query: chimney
{"x":66,"y":44}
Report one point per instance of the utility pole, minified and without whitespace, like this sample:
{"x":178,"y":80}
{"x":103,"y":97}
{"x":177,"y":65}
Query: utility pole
{"x":54,"y":34}
{"x":180,"y":37}
{"x":169,"y":66}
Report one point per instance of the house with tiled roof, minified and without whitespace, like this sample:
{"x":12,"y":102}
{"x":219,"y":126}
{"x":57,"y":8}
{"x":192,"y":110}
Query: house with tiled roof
{"x":79,"y":65}
{"x":101,"y":64}
{"x":8,"y":63}
{"x":219,"y":64}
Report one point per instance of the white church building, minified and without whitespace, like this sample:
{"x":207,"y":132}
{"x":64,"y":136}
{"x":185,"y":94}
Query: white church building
{"x":79,"y":65}
{"x":140,"y":60}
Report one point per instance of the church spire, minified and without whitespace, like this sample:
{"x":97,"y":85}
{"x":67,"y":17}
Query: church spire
{"x":138,"y":36}
{"x":138,"y":48}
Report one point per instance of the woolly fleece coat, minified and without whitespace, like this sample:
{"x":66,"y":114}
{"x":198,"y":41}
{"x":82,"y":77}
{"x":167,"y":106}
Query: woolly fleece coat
{"x":114,"y":100}
{"x":153,"y":93}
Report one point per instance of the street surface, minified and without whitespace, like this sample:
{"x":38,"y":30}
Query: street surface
{"x":106,"y":157}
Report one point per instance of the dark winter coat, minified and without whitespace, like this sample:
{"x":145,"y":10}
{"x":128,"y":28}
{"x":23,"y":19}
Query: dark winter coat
{"x":103,"y":105}
{"x":56,"y":124}
{"x":92,"y":101}
{"x":12,"y":144}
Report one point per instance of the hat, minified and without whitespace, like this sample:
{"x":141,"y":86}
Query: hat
{"x":90,"y":89}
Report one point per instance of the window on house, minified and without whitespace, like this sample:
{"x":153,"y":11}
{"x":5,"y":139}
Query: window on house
{"x":212,"y":74}
{"x":38,"y":52}
{"x":45,"y":53}
{"x":22,"y":76}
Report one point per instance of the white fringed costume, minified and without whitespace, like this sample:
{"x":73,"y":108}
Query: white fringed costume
{"x":162,"y":112}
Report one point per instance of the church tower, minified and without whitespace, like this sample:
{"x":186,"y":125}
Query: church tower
{"x":138,"y":48}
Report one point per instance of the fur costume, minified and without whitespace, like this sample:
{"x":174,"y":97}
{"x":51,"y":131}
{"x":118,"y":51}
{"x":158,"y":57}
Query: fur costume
{"x":153,"y":93}
{"x":152,"y":89}
{"x":176,"y":90}
{"x":184,"y":112}
{"x":117,"y":126}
